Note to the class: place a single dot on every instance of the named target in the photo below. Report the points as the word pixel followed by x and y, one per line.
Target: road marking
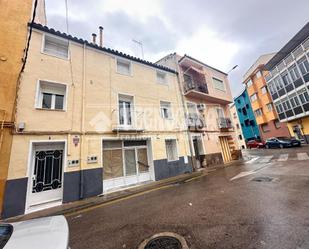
pixel 242 174
pixel 253 159
pixel 266 159
pixel 302 156
pixel 283 157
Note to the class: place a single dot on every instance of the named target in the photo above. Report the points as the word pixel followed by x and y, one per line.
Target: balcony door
pixel 125 104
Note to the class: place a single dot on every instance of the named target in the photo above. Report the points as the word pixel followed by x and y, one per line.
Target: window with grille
pixel 56 46
pixel 123 67
pixel 166 110
pixel 171 150
pixel 51 96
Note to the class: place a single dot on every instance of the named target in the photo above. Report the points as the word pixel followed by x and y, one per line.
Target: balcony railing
pixel 195 86
pixel 195 121
pixel 224 123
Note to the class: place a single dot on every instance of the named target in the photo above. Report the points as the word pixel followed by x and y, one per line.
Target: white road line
pixel 302 156
pixel 283 157
pixel 253 159
pixel 242 174
pixel 266 159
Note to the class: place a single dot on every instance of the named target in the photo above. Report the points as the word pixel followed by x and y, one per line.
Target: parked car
pixel 255 144
pixel 48 233
pixel 282 142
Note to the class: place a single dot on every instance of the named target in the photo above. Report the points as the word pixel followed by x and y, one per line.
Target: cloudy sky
pixel 220 33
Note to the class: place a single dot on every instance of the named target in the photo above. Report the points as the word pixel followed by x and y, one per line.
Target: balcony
pixel 195 122
pixel 224 124
pixel 191 85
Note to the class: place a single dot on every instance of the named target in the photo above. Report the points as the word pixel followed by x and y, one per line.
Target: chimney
pixel 94 38
pixel 101 36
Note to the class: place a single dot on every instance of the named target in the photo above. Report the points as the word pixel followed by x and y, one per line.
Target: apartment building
pixel 240 141
pixel 288 83
pixel 261 102
pixel 89 120
pixel 249 127
pixel 13 33
pixel 206 96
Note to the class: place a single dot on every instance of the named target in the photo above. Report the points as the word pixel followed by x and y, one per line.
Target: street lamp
pixel 232 69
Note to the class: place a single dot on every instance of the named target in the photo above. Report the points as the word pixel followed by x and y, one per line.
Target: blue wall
pixel 246 116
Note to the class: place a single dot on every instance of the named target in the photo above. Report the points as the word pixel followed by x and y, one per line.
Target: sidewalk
pixel 76 206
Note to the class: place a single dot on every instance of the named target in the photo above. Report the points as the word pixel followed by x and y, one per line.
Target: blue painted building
pixel 246 116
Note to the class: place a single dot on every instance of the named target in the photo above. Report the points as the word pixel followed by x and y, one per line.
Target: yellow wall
pixel 13 32
pixel 304 122
pixel 102 85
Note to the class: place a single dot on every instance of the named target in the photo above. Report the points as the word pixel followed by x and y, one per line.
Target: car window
pixel 6 231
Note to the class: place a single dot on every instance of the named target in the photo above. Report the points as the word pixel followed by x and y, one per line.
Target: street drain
pixel 262 179
pixel 164 240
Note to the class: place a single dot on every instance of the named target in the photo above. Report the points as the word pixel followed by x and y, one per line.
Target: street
pixel 261 202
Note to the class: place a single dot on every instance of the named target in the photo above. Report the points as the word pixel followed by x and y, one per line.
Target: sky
pixel 220 33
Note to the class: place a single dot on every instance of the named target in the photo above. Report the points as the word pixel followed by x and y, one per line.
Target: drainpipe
pixel 184 112
pixel 82 125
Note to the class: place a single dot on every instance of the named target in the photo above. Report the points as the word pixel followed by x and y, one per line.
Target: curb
pixel 106 198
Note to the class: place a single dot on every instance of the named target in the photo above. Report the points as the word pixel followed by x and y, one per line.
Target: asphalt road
pixel 225 209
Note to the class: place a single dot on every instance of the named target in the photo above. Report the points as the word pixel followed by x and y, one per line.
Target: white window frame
pixel 271 107
pixel 258 112
pixel 39 95
pixel 255 99
pixel 223 84
pixel 125 62
pixel 258 74
pixel 176 149
pixel 165 81
pixel 263 90
pixel 249 83
pixel 129 98
pixel 169 109
pixel 52 54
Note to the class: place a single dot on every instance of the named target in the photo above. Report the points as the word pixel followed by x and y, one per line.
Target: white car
pixel 48 233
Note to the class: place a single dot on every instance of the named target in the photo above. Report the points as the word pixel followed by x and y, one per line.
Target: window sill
pixel 45 109
pixel 173 160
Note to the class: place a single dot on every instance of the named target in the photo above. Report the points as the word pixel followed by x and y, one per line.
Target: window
pixel 258 112
pixel 265 127
pixel 294 72
pixel 269 107
pixel 171 150
pixel 56 46
pixel 240 137
pixel 264 89
pixel 303 65
pixel 286 79
pixel 51 96
pixel 277 123
pixel 294 101
pixel 278 83
pixel 237 126
pixel 249 83
pixel 161 77
pixel 258 74
pixel 304 97
pixel 166 111
pixel 271 88
pixel 125 104
pixel 123 67
pixel 279 108
pixel 218 84
pixel 253 97
pixel 220 112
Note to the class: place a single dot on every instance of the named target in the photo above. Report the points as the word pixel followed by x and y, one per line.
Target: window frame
pixel 131 99
pixel 269 109
pixel 256 97
pixel 176 149
pixel 223 84
pixel 51 54
pixel 264 88
pixel 165 82
pixel 124 61
pixel 38 104
pixel 170 117
pixel 258 74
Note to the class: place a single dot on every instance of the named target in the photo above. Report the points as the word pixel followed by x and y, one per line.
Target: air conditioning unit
pixel 201 107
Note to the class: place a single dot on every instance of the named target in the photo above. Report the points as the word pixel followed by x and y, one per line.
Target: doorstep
pixel 76 206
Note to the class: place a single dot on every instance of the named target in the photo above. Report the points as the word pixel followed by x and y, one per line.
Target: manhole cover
pixel 262 179
pixel 164 242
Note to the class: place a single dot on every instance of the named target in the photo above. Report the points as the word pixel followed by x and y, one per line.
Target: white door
pixel 46 173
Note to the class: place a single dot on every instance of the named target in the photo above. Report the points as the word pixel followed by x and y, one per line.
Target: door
pixel 46 173
pixel 196 152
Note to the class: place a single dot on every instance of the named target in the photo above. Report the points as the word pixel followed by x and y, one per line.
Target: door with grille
pixel 46 173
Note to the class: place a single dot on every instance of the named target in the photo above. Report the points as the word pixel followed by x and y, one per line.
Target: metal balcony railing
pixel 224 123
pixel 197 86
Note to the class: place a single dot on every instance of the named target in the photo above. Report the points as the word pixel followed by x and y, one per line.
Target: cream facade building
pixel 90 120
pixel 239 137
pixel 206 95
